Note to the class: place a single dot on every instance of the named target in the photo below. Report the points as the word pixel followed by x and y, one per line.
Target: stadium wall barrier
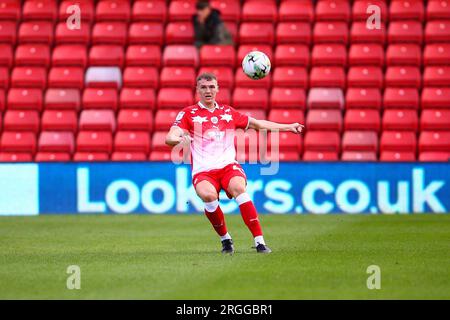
pixel 162 188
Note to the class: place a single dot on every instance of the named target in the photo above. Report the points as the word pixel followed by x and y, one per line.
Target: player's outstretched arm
pixel 270 125
pixel 177 135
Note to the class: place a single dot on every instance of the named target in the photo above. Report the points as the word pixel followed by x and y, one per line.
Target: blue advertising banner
pixel 165 188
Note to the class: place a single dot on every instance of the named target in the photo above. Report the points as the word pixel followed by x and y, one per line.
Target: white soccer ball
pixel 256 65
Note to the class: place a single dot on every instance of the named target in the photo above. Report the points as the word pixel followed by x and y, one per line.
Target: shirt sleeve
pixel 182 120
pixel 241 120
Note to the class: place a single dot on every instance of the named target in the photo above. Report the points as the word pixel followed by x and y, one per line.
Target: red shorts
pixel 220 178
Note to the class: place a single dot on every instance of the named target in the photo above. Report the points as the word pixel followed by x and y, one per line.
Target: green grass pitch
pixel 178 257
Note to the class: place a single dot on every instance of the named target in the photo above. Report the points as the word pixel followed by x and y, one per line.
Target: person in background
pixel 209 27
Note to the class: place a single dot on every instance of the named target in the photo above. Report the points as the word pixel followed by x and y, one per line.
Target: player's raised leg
pixel 208 193
pixel 237 189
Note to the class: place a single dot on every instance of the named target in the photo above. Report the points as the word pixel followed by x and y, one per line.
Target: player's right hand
pixel 185 139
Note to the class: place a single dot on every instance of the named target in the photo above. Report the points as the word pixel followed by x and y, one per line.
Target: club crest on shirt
pixel 214 120
pixel 179 116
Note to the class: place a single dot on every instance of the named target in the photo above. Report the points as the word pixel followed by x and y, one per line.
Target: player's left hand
pixel 296 127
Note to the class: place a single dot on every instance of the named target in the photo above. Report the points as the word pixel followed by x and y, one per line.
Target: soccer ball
pixel 256 65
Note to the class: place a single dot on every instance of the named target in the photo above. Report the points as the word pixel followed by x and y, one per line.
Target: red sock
pixel 218 221
pixel 250 216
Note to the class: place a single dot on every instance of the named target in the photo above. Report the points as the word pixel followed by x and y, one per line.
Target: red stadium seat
pixel 434 156
pixel 15 157
pixel 36 32
pixel 292 55
pixel 143 55
pixel 94 141
pixel 4 78
pixel 113 10
pixel 62 99
pixel 10 10
pixel 362 119
pixel 256 33
pixel 165 118
pixel 366 55
pixel 6 55
pixel 179 33
pixel 225 75
pixel 287 142
pixel 435 98
pixel 52 156
pixel 21 120
pixel 406 31
pixel 180 55
pixel 29 77
pixel 40 10
pixel 359 33
pixel 96 120
pixel 250 98
pixel 287 98
pixel 404 55
pixel 218 55
pixel 242 80
pixel 293 33
pixel 286 116
pixel 33 54
pixel 281 156
pixel 435 119
pixel 64 35
pixel 181 10
pixel 360 141
pixel 320 98
pixel 135 119
pixel 437 31
pixel 86 8
pixel 401 98
pixel 398 141
pixel 17 141
pixel 66 77
pixel 146 33
pixel 436 76
pixel 177 77
pixel 256 11
pixel 329 55
pixel 245 48
pixel 56 141
pixel 59 120
pixel 322 141
pixel 403 77
pixel 132 141
pixel 434 141
pixel 329 77
pixel 360 8
pixel 2 101
pixel 174 98
pixel 320 156
pixel 106 55
pixel 230 10
pixel 137 98
pixel 100 98
pixel 296 11
pixel 324 119
pixel 90 156
pixel 330 32
pixel 25 99
pixel 70 56
pixel 438 9
pixel 406 10
pixel 400 119
pixel 332 10
pixel 8 32
pixel 296 77
pixel 149 10
pixel 128 156
pixel 366 77
pixel 360 98
pixel 436 54
pixel 401 156
pixel 158 141
pixel 359 156
pixel 114 33
pixel 140 77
